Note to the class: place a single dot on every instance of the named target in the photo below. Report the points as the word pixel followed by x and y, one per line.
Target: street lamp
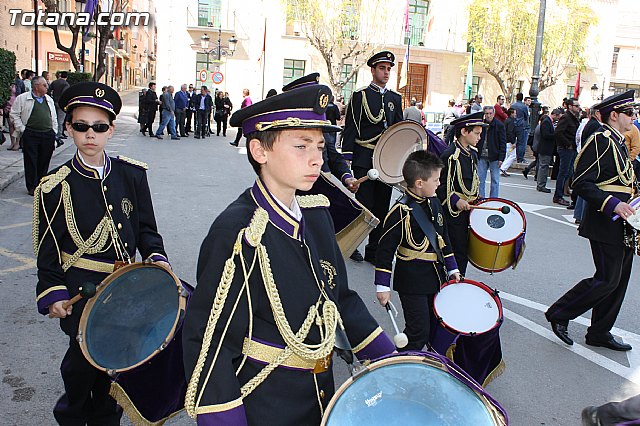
pixel 594 92
pixel 204 43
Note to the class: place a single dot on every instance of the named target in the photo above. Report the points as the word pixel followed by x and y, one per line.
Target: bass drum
pixel 393 148
pixel 413 389
pixel 132 330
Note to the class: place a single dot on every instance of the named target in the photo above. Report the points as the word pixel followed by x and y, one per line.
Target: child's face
pixel 471 137
pixel 91 144
pixel 294 161
pixel 427 187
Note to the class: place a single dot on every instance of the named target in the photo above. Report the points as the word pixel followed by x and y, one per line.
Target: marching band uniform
pixel 418 272
pixel 459 180
pixel 604 177
pixel 85 222
pixel 272 288
pixel 370 111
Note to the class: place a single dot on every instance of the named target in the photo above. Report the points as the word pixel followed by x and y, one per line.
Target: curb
pixel 15 171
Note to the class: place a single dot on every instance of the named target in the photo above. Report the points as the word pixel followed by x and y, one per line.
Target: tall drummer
pixel 459 182
pixel 90 214
pixel 370 111
pixel 604 177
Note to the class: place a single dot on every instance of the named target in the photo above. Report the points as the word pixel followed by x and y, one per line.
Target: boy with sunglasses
pixel 90 216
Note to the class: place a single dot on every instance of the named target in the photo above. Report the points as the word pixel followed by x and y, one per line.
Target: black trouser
pixel 604 292
pixel 417 310
pixel 189 113
pixel 376 197
pixel 180 118
pixel 37 149
pixel 459 236
pixel 86 400
pixel 221 121
pixel 151 118
pixel 201 125
pixel 238 136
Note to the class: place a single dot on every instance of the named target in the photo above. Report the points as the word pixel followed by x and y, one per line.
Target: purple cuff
pixel 158 258
pixel 382 278
pixel 234 417
pixel 378 347
pixel 50 299
pixel 348 156
pixel 453 200
pixel 610 205
pixel 345 177
pixel 450 263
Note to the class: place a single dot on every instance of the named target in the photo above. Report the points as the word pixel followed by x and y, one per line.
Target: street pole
pixel 219 52
pixel 35 35
pixel 535 78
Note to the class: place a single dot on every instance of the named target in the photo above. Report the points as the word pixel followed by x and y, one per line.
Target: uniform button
pixel 104 188
pixel 119 226
pixel 126 244
pixel 110 208
pixel 321 394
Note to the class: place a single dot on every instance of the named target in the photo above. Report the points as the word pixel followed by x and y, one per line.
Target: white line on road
pixel 15 225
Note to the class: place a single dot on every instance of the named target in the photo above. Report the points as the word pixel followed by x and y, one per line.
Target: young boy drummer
pixel 459 183
pixel 272 293
pixel 415 233
pixel 90 214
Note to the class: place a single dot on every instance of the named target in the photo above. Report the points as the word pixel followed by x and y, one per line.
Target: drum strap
pixel 425 224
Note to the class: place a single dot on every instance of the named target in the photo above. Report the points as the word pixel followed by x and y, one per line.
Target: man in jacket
pixel 565 135
pixel 151 102
pixel 203 104
pixel 545 148
pixel 522 126
pixel 168 115
pixel 501 111
pixel 491 151
pixel 56 89
pixel 35 120
pixel 182 103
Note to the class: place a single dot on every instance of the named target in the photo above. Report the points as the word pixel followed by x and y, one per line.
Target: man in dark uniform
pixel 272 294
pixel 604 177
pixel 90 214
pixel 371 110
pixel 459 182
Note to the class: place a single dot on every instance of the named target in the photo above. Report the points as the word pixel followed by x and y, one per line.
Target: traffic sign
pixel 203 75
pixel 217 77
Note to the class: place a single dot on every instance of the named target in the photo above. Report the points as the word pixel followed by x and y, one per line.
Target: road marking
pixel 15 225
pixel 630 373
pixel 569 218
pixel 517 185
pixel 533 209
pixel 27 262
pixel 15 201
pixel 242 150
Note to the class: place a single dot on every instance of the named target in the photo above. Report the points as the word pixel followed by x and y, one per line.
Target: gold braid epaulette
pixel 253 233
pixel 313 201
pixel 133 162
pixel 49 182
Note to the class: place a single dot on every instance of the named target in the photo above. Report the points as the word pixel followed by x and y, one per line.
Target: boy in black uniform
pixel 604 177
pixel 415 234
pixel 370 112
pixel 459 183
pixel 272 292
pixel 90 214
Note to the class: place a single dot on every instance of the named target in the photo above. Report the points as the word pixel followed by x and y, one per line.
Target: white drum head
pixel 493 225
pixel 467 308
pixel 393 148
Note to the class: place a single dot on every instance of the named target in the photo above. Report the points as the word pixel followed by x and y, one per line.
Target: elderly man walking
pixel 491 152
pixel 35 121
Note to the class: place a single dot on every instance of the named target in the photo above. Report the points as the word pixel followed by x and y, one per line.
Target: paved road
pixel 545 382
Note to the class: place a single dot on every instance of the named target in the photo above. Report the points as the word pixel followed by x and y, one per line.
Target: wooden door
pixel 417 84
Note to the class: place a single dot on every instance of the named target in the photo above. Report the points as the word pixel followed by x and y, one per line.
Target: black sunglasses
pixel 84 127
pixel 630 112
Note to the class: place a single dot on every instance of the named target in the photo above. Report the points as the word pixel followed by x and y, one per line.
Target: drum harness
pixel 324 314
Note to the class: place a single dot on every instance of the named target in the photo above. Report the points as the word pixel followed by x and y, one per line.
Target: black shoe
pixel 233 143
pixel 545 190
pixel 197 137
pixel 504 174
pixel 356 256
pixel 159 137
pixel 184 136
pixel 176 138
pixel 224 134
pixel 560 201
pixel 571 206
pixel 59 143
pixel 612 344
pixel 63 136
pixel 30 192
pixel 525 174
pixel 561 331
pixel 590 416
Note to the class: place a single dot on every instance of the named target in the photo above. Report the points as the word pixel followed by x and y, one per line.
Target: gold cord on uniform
pixel 454 174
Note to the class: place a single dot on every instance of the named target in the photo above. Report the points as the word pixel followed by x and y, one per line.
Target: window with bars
pixel 209 13
pixel 349 86
pixel 614 61
pixel 475 84
pixel 418 13
pixel 293 68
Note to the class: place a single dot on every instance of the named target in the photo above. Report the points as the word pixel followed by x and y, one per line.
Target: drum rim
pixel 382 141
pixel 501 243
pixel 496 414
pixel 100 288
pixel 492 292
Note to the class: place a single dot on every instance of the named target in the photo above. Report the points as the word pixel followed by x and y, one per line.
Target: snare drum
pixel 496 240
pixel 132 330
pixel 393 148
pixel 352 221
pixel 413 389
pixel 466 328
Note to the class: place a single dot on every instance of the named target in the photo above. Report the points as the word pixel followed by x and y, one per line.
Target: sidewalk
pixel 12 164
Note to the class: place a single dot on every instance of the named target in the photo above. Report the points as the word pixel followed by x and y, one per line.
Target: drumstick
pixel 503 209
pixel 372 174
pixel 87 291
pixel 400 339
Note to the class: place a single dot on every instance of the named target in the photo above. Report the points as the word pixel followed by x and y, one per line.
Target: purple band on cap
pixel 249 125
pixel 91 101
